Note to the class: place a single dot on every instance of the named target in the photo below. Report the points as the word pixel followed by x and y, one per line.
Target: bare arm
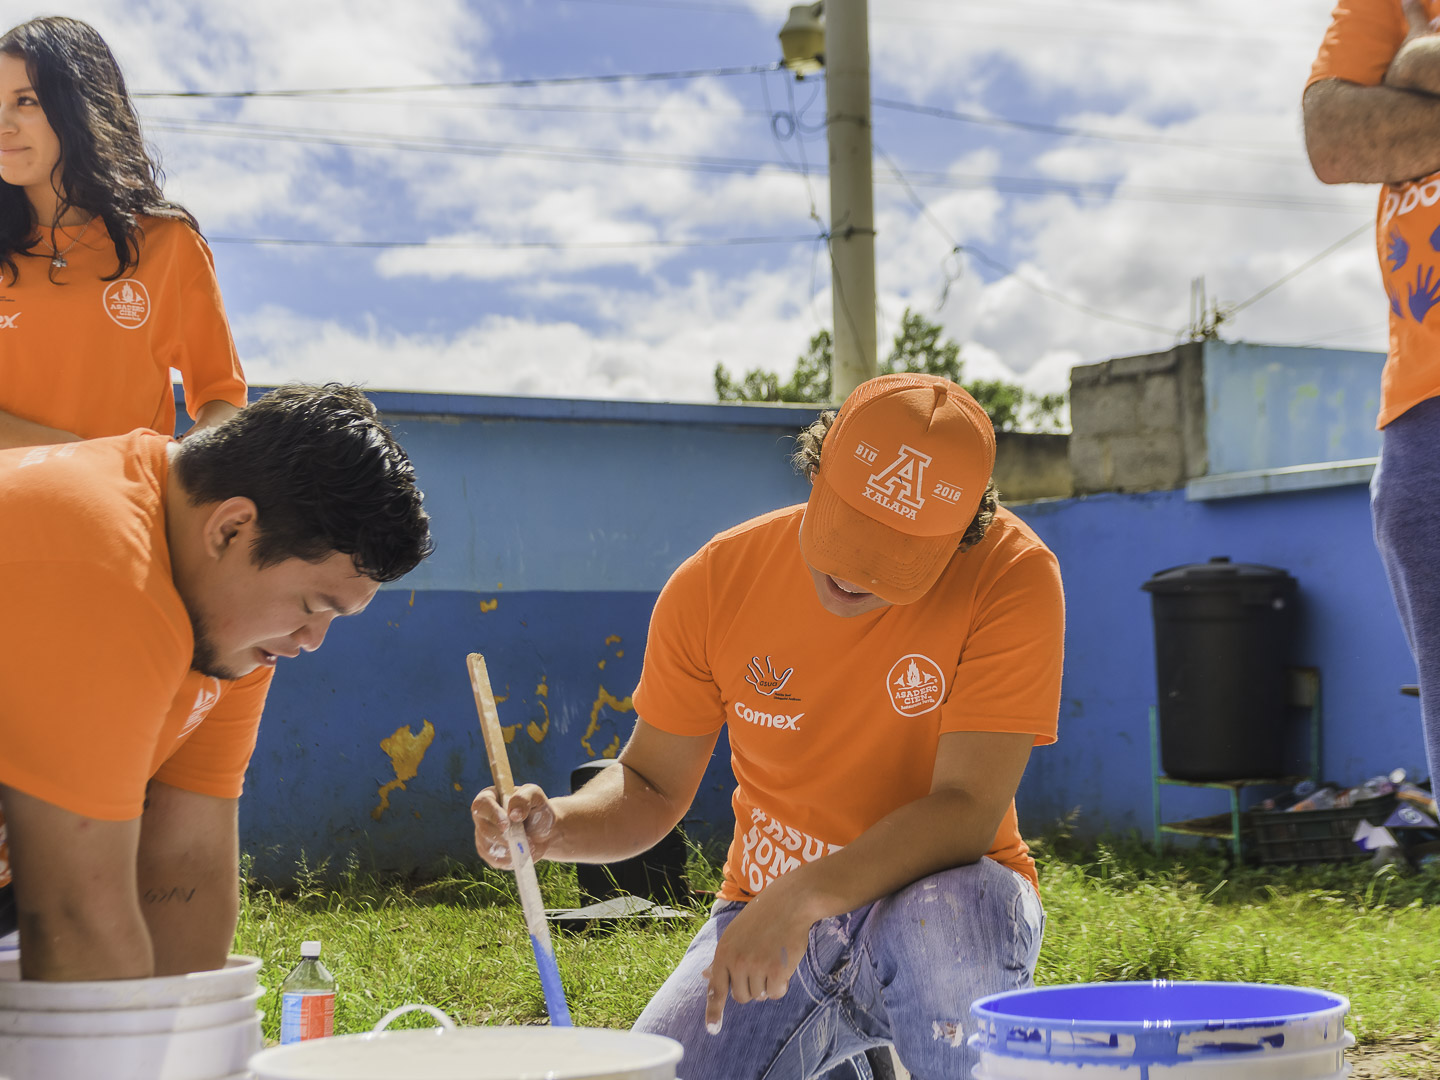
pixel 188 878
pixel 975 778
pixel 17 432
pixel 212 414
pixel 1370 134
pixel 74 881
pixel 621 812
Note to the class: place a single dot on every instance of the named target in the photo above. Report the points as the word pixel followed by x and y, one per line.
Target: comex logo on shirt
pixel 779 721
pixel 7 322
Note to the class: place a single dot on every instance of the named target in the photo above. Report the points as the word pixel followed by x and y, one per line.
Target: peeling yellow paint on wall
pixel 603 699
pixel 489 605
pixel 602 665
pixel 405 750
pixel 539 731
pixel 412 597
pixel 613 639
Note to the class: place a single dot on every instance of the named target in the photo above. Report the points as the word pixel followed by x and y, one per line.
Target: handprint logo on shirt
pixel 1399 250
pixel 1424 294
pixel 766 680
pixel 1394 303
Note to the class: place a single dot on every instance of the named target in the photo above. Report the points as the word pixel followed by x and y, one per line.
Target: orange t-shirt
pixel 93 357
pixel 835 722
pixel 96 692
pixel 1363 37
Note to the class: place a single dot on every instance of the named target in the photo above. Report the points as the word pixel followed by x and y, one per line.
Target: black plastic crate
pixel 1303 836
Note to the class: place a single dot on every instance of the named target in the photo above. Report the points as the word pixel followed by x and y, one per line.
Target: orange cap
pixel 901 476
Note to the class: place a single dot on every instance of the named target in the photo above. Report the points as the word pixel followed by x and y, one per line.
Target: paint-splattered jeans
pixel 902 970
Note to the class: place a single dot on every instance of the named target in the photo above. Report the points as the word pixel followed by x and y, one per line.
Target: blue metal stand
pixel 1304 694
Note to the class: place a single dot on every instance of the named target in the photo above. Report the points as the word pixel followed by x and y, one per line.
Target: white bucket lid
pixel 496 1053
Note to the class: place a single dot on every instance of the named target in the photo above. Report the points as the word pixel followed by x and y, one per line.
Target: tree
pixel 918 347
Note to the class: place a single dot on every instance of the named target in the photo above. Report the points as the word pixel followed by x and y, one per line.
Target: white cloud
pixel 653 322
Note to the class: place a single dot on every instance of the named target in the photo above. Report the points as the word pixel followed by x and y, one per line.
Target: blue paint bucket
pixel 1161 1030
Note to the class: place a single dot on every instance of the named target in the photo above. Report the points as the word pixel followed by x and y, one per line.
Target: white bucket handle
pixel 445 1021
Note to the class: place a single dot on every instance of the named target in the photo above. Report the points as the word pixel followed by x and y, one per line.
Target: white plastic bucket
pixel 1162 1031
pixel 132 1021
pixel 236 979
pixel 201 1054
pixel 451 1053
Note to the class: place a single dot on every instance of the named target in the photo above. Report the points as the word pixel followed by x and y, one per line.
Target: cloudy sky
pixel 579 238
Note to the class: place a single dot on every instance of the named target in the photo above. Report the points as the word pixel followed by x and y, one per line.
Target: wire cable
pixel 1233 310
pixel 490 245
pixel 957 248
pixel 483 84
pixel 1040 128
pixel 1015 185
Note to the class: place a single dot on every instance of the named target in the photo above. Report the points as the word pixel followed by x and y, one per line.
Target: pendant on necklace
pixel 58 261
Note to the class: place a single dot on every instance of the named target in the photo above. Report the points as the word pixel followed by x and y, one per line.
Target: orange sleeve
pixel 88 666
pixel 213 758
pixel 1009 673
pixel 1363 37
pixel 205 350
pixel 677 692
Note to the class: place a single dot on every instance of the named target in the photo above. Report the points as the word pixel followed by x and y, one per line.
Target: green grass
pixel 1114 911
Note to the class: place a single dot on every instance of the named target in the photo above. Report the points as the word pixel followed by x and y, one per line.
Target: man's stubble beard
pixel 204 659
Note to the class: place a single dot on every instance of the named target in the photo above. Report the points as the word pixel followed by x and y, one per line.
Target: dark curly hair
pixel 325 476
pixel 806 459
pixel 104 167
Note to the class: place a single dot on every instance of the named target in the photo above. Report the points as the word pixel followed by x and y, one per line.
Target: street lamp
pixel 802 40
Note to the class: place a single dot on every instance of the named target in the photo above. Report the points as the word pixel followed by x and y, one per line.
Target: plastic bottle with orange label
pixel 307 998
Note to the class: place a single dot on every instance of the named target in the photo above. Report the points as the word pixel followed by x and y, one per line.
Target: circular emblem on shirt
pixel 127 303
pixel 915 685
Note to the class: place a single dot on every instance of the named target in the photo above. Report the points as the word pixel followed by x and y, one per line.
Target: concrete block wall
pixel 1138 422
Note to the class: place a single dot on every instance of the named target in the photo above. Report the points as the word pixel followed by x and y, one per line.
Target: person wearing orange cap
pixel 885 655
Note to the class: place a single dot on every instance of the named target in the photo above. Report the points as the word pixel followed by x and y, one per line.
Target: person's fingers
pixel 719 979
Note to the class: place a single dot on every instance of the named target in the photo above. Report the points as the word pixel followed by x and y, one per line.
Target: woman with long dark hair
pixel 105 285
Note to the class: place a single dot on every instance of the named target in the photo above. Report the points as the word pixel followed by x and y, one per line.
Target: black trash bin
pixel 657 874
pixel 1224 635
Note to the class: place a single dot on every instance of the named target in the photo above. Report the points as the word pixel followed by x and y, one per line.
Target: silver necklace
pixel 57 260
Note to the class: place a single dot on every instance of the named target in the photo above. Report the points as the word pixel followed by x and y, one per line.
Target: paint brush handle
pixel 534 909
pixel 525 881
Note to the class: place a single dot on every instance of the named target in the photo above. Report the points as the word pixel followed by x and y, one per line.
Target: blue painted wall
pixel 1270 406
pixel 556 525
pixel 1108 545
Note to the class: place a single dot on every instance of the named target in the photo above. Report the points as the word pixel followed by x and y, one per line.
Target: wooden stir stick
pixel 520 859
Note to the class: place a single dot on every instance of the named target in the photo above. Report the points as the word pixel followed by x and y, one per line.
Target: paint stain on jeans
pixel 948 1031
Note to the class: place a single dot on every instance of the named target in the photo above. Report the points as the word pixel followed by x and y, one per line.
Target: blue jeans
pixel 1405 508
pixel 902 971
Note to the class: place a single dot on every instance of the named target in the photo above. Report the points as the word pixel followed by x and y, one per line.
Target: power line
pixel 1231 311
pixel 1060 129
pixel 491 245
pixel 1185 33
pixel 1016 185
pixel 957 248
pixel 484 84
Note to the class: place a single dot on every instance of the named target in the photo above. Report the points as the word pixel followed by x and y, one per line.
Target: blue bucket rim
pixel 1340 1006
